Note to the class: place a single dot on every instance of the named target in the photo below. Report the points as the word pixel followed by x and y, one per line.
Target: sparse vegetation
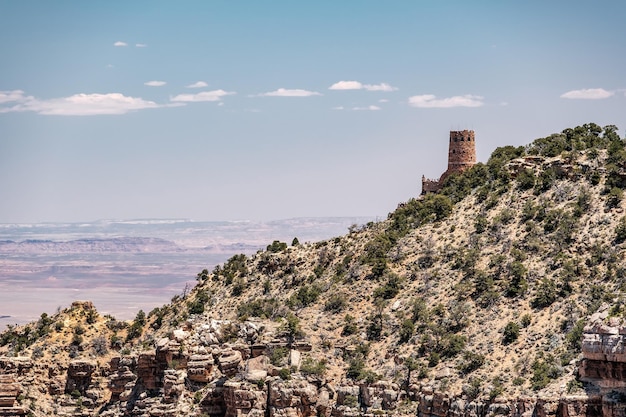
pixel 448 287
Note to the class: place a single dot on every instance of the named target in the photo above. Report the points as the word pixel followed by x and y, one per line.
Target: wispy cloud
pixel 141 45
pixel 431 101
pixel 155 83
pixel 371 108
pixel 75 105
pixel 588 94
pixel 12 96
pixel 215 95
pixel 284 92
pixel 380 87
pixel 120 43
pixel 198 84
pixel 356 85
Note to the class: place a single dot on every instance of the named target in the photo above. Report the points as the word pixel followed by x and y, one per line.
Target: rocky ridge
pixel 500 295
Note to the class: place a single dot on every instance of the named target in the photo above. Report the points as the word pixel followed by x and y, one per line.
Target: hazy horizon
pixel 124 266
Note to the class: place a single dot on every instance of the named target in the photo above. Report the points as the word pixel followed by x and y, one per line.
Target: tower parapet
pixel 461 156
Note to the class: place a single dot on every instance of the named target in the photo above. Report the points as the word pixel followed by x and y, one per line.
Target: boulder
pixel 200 368
pixel 257 368
pixel 229 361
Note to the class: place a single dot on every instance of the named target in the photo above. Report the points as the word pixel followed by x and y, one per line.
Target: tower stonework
pixel 461 156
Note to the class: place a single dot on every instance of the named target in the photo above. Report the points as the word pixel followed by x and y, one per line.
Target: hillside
pixel 503 293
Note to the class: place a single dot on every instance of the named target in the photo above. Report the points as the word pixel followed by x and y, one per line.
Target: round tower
pixel 462 151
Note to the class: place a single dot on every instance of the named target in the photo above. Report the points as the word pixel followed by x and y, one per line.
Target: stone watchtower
pixel 461 156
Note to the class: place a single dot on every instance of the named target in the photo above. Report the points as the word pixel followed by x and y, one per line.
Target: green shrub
pixel 355 368
pixel 620 231
pixel 336 303
pixel 517 282
pixel 277 246
pixel 291 327
pixel 310 366
pixel 239 286
pixel 510 333
pixel 471 362
pixel 305 296
pixel 545 295
pixel 433 359
pixel 278 355
pixel 614 197
pixel 406 330
pixel 472 390
pixel 284 374
pixel 260 307
pixel 452 345
pixel 526 179
pixel 390 289
pixel 574 336
pixel 544 371
pixel 198 304
pixel 374 328
pixel 349 326
pixel 419 311
pixel 350 401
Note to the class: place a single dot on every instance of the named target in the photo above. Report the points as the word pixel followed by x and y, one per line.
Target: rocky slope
pixel 500 295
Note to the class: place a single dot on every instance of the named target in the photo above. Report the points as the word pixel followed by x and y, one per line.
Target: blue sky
pixel 227 110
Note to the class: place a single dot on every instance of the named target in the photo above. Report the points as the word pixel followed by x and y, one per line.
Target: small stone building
pixel 461 156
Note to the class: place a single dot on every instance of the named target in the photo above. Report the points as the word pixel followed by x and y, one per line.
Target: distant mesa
pixel 461 156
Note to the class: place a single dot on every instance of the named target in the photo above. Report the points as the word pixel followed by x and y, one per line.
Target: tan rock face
pixel 242 398
pixel 10 389
pixel 604 353
pixel 79 374
pixel 173 385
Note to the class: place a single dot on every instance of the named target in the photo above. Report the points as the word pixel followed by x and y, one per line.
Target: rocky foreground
pixel 193 373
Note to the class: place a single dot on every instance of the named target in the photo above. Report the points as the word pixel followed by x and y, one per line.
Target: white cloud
pixel 11 96
pixel 383 100
pixel 141 45
pixel 379 87
pixel 283 92
pixel 588 94
pixel 356 85
pixel 120 43
pixel 346 85
pixel 215 95
pixel 431 101
pixel 81 105
pixel 198 84
pixel 155 83
pixel 372 108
